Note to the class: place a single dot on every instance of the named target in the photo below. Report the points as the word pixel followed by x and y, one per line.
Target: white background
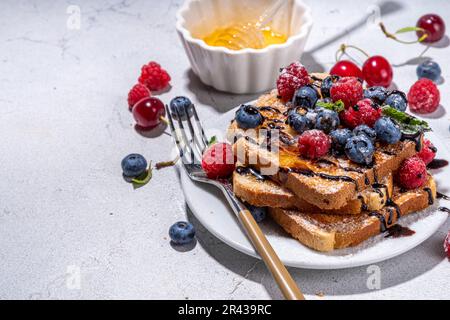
pixel 65 127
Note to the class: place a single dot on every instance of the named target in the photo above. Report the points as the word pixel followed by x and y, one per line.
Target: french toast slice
pixel 327 184
pixel 259 191
pixel 325 232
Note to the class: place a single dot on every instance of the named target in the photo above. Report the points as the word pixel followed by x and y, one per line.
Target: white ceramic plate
pixel 211 209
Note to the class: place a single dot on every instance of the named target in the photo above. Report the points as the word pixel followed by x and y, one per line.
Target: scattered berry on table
pixel 447 244
pixel 291 78
pixel 305 96
pixel 360 149
pixel 428 152
pixel 300 123
pixel 424 96
pixel 134 165
pixel 182 232
pixel 327 120
pixel 346 68
pixel 314 144
pixel 430 70
pixel 148 112
pixel 137 93
pixel 326 85
pixel 412 173
pixel 434 27
pixel 339 137
pixel 365 130
pixel 377 71
pixel 181 104
pixel 397 99
pixel 154 77
pixel 218 161
pixel 258 213
pixel 387 130
pixel 364 112
pixel 247 117
pixel 348 89
pixel 377 94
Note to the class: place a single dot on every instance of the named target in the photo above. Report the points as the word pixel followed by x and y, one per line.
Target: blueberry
pixel 248 117
pixel 360 149
pixel 377 94
pixel 339 138
pixel 327 83
pixel 133 165
pixel 312 118
pixel 397 99
pixel 298 122
pixel 258 213
pixel 327 120
pixel 429 69
pixel 387 130
pixel 367 131
pixel 181 104
pixel 182 232
pixel 305 96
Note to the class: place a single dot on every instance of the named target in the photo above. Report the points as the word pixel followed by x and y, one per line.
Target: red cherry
pixel 377 71
pixel 346 68
pixel 434 26
pixel 148 112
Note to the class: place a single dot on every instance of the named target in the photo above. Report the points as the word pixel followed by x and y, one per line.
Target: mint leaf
pixel 408 124
pixel 337 106
pixel 144 179
pixel 212 140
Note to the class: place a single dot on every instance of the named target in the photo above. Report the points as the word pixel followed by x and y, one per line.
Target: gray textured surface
pixel 64 128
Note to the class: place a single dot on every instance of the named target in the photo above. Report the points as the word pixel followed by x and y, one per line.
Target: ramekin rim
pixel 304 30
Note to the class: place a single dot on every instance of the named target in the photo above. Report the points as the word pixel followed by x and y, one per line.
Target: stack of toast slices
pixel 326 204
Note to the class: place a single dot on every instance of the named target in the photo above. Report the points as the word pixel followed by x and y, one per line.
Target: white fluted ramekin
pixel 247 70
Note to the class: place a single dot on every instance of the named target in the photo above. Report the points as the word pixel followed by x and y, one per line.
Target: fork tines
pixel 192 145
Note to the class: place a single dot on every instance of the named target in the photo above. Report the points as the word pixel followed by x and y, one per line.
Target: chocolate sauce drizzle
pixel 364 206
pixel 430 195
pixel 397 231
pixel 442 196
pixel 416 137
pixel 248 170
pixel 380 217
pixel 437 164
pixel 269 108
pixel 310 173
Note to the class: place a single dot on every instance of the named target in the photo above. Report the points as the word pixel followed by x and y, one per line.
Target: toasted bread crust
pixel 322 192
pixel 325 232
pixel 266 193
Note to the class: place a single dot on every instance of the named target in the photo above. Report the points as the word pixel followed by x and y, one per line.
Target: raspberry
pixel 137 93
pixel 347 89
pixel 218 161
pixel 298 70
pixel 412 173
pixel 291 78
pixel 447 245
pixel 364 112
pixel 424 96
pixel 314 144
pixel 428 152
pixel 154 77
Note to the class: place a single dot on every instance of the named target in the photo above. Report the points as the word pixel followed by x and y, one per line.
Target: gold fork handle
pixel 270 258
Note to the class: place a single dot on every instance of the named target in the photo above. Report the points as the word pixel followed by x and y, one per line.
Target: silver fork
pixel 190 153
